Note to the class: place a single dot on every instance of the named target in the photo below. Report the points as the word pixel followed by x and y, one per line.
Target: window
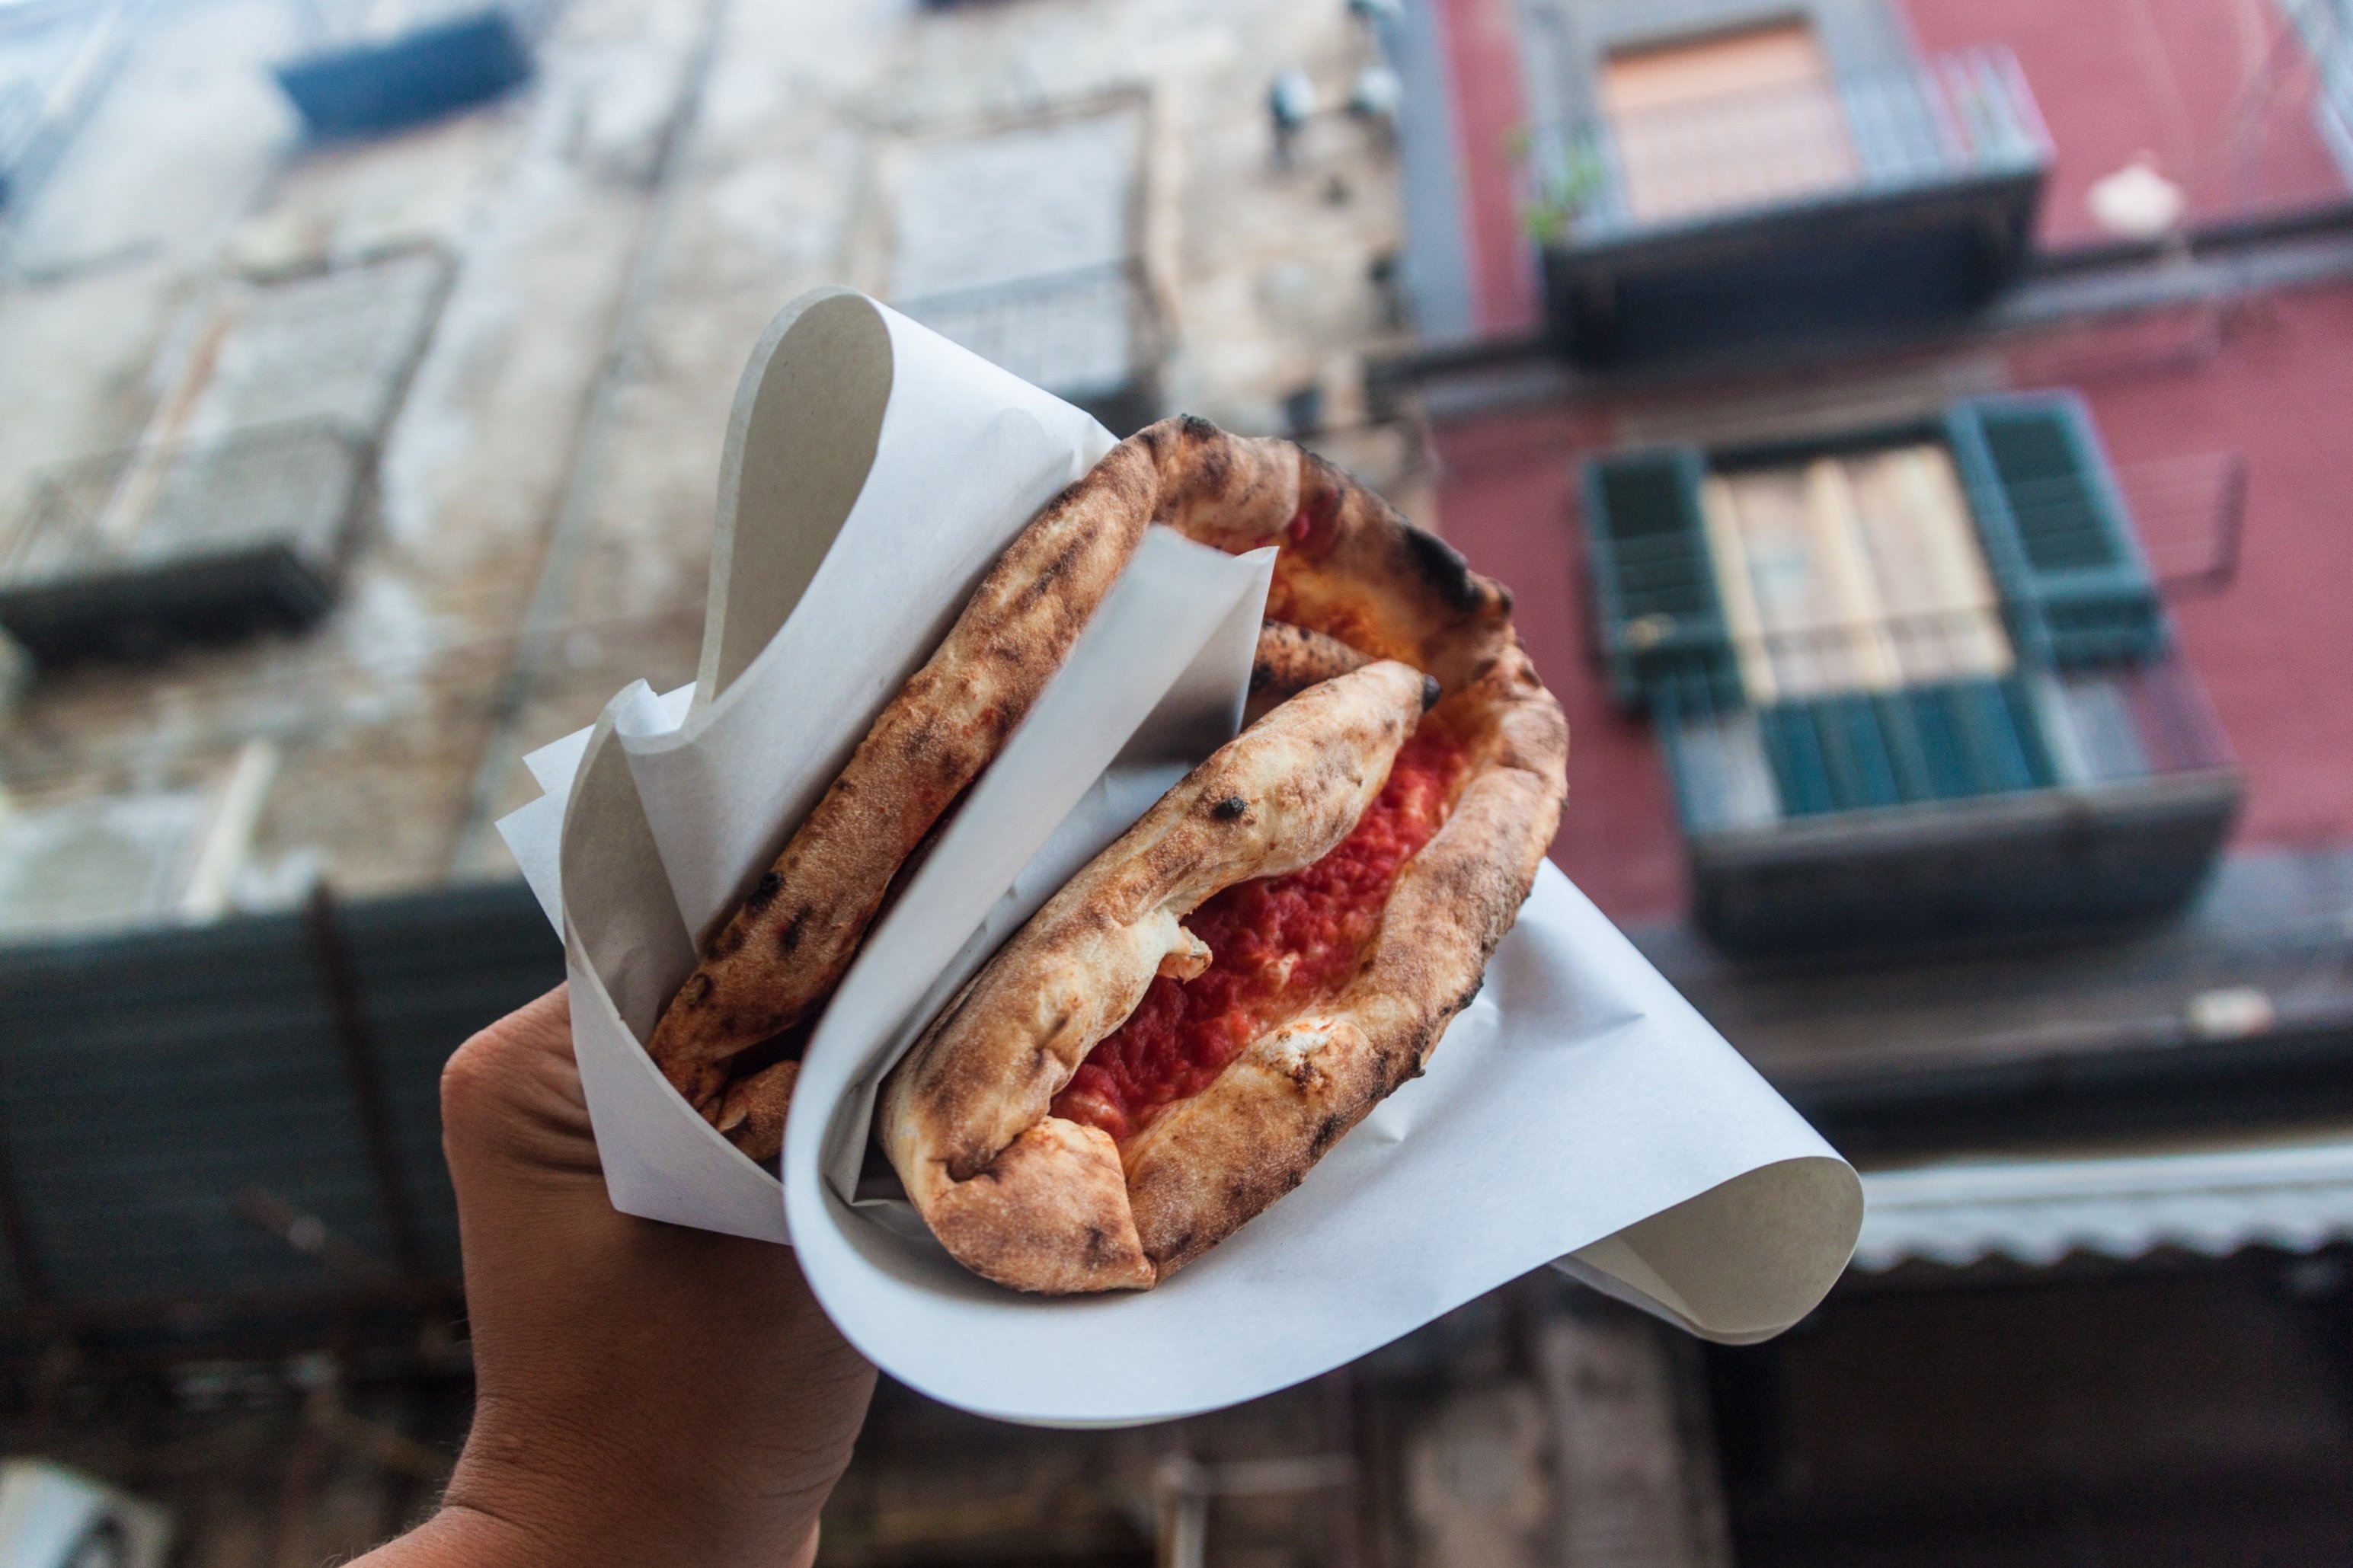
pixel 240 506
pixel 1022 244
pixel 1910 677
pixel 1853 572
pixel 1727 120
pixel 335 345
pixel 54 61
pixel 1753 186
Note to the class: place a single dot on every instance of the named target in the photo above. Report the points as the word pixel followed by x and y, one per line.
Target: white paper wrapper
pixel 1579 1111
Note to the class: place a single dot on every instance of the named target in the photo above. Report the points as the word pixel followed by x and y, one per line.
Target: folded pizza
pixel 730 1040
pixel 1204 1010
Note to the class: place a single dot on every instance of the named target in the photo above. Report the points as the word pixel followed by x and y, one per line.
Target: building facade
pixel 1912 432
pixel 1909 428
pixel 364 372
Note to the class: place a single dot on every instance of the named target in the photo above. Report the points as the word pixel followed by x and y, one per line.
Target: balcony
pixel 238 505
pixel 1859 204
pixel 1918 680
pixel 200 541
pixel 1969 805
pixel 1087 335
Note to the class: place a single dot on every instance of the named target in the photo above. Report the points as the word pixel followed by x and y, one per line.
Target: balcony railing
pixel 1946 120
pixel 1088 335
pixel 1925 712
pixel 188 539
pixel 1912 778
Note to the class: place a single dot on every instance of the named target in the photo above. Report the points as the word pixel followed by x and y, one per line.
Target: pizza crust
pixel 982 1079
pixel 1271 801
pixel 770 968
pixel 1289 660
pixel 1025 1198
pixel 1210 1163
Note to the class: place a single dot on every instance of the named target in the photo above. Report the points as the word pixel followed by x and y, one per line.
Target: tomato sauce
pixel 1279 946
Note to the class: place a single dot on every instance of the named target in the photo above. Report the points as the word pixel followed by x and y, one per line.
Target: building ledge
pixel 2236 1015
pixel 2211 265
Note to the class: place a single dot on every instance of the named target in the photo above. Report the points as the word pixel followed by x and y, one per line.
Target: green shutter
pixel 1947 741
pixel 2055 528
pixel 1659 622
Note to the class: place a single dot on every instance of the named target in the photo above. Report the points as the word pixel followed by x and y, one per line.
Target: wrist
pixel 531 1490
pixel 462 1536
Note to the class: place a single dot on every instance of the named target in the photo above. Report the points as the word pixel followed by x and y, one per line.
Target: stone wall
pixel 618 231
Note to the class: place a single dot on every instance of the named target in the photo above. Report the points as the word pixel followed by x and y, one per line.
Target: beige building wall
pixel 620 230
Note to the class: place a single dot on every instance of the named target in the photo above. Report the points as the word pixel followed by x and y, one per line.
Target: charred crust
pixel 1351 570
pixel 763 892
pixel 1216 465
pixel 789 936
pixel 1325 481
pixel 1443 567
pixel 1327 1132
pixel 1048 575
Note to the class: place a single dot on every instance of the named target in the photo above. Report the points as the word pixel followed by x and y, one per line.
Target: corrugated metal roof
pixel 146 1078
pixel 2294 1197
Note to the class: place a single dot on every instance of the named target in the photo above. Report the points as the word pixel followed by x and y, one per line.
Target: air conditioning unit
pixel 51 1516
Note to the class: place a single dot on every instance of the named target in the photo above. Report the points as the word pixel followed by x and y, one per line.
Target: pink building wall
pixel 2274 649
pixel 2219 91
pixel 2194 82
pixel 1481 39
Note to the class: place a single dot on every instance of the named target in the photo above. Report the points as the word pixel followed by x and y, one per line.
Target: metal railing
pixel 1915 711
pixel 294 484
pixel 2190 512
pixel 1082 334
pixel 2187 512
pixel 1955 117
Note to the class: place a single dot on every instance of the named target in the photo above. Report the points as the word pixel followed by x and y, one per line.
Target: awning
pixel 2295 1196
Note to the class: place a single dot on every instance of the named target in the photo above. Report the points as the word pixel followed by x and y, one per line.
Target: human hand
pixel 645 1394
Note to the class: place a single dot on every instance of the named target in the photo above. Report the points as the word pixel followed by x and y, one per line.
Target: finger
pixel 513 1093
